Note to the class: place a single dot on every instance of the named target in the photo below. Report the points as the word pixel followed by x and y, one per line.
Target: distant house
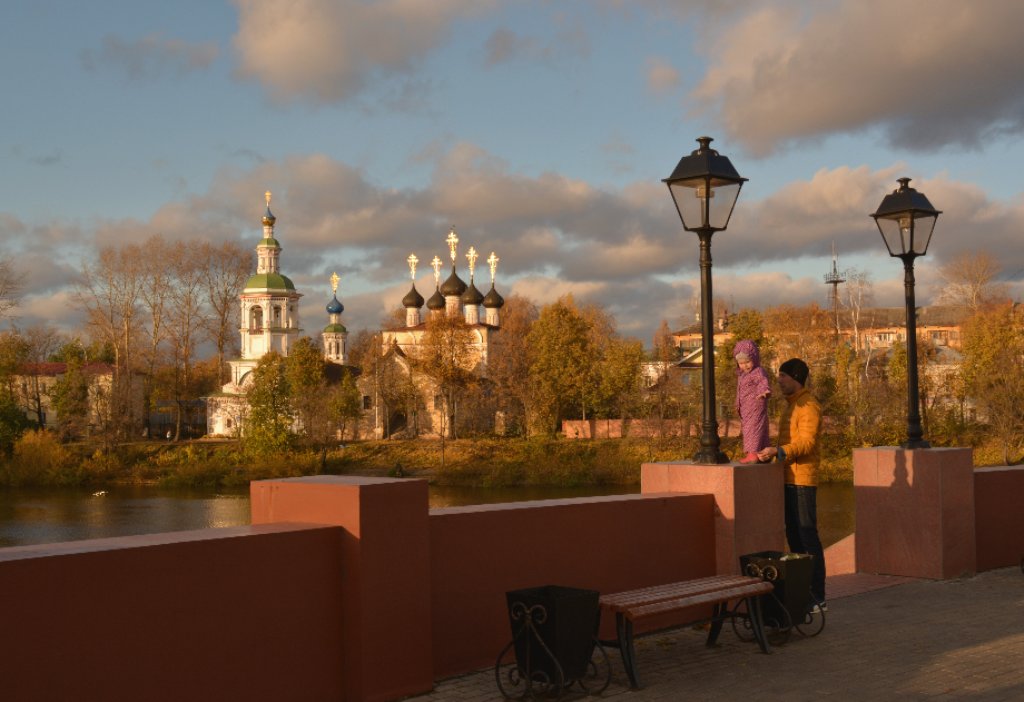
pixel 34 384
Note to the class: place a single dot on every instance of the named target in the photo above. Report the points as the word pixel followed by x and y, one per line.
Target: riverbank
pixel 41 461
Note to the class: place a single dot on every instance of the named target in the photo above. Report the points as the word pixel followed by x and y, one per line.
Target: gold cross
pixel 492 261
pixel 334 282
pixel 412 265
pixel 453 241
pixel 472 255
pixel 436 265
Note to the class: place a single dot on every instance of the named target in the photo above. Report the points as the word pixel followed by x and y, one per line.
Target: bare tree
pixel 857 295
pixel 11 283
pixel 185 317
pixel 153 295
pixel 969 280
pixel 109 290
pixel 226 268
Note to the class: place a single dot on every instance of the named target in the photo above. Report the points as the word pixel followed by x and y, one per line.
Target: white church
pixel 270 322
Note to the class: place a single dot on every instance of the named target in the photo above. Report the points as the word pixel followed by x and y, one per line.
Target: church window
pixel 367 402
pixel 257 318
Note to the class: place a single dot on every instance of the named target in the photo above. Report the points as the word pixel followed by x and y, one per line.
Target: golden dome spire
pixel 472 255
pixel 436 265
pixel 453 242
pixel 412 266
pixel 492 261
pixel 334 276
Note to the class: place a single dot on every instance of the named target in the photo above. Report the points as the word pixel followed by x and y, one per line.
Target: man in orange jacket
pixel 799 449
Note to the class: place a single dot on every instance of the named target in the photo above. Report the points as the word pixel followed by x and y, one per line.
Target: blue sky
pixel 540 130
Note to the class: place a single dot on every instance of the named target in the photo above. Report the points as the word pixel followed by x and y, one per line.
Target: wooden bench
pixel 633 606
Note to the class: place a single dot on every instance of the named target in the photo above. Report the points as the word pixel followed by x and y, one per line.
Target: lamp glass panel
pixel 720 205
pixel 923 227
pixel 690 196
pixel 891 235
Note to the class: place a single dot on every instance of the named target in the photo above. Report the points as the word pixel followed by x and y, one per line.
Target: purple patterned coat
pixel 752 390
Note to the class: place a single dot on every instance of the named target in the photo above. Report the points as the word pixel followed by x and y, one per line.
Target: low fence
pixel 238 613
pixel 373 596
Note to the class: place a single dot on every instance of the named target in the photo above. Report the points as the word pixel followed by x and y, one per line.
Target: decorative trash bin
pixel 790 573
pixel 554 629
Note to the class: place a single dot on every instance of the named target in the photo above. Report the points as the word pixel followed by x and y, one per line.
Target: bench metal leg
pixel 624 629
pixel 757 623
pixel 717 617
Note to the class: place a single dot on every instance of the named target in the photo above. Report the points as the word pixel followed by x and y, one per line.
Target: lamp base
pixel 710 457
pixel 915 444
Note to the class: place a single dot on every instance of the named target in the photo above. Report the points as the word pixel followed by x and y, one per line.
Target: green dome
pixel 335 329
pixel 269 281
pixel 269 242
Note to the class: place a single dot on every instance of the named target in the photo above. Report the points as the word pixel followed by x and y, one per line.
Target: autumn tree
pixel 561 364
pixel 446 356
pixel 307 385
pixel 993 348
pixel 268 422
pixel 508 361
pixel 70 398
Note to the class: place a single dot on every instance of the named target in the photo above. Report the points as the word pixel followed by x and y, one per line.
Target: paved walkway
pixel 896 639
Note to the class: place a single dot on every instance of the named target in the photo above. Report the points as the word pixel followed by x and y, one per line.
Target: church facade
pixel 400 397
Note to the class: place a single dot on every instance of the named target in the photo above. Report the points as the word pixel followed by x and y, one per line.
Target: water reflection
pixel 48 516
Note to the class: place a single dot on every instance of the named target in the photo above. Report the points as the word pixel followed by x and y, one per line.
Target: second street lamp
pixel 704 187
pixel 906 220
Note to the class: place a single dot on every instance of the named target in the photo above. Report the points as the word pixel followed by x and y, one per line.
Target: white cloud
pixel 151 56
pixel 662 76
pixel 327 51
pixel 929 73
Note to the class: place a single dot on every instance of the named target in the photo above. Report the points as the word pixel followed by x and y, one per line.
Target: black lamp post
pixel 906 220
pixel 704 187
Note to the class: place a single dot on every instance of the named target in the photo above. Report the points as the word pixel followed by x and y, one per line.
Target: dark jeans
pixel 802 531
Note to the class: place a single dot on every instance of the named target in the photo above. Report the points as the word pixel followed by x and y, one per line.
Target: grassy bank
pixel 40 460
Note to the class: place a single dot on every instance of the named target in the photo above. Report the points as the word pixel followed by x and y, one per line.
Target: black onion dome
pixel 436 301
pixel 335 306
pixel 493 300
pixel 472 296
pixel 453 286
pixel 268 217
pixel 413 298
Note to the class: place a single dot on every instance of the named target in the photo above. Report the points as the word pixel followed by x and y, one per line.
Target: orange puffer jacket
pixel 799 431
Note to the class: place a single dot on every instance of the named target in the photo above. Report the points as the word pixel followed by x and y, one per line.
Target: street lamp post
pixel 704 187
pixel 906 220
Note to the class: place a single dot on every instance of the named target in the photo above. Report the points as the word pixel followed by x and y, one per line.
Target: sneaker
pixel 819 607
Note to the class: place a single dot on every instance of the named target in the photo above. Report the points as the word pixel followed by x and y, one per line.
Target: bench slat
pixel 624 600
pixel 736 593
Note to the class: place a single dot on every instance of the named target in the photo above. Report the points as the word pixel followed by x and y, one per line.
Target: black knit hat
pixel 795 369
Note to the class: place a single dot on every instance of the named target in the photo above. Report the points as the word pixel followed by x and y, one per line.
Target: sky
pixel 538 129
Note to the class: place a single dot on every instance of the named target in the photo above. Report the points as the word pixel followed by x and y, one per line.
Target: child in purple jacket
pixel 752 391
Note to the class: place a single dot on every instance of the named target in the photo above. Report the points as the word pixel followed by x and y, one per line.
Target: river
pixel 48 516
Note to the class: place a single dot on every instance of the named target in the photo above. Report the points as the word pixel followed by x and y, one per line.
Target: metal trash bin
pixel 554 630
pixel 790 573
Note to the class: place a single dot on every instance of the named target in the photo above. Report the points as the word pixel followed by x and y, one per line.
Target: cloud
pixel 150 57
pixel 327 51
pixel 662 76
pixel 622 248
pixel 927 74
pixel 569 41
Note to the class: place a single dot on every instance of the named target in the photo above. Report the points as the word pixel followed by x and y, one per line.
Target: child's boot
pixel 750 458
